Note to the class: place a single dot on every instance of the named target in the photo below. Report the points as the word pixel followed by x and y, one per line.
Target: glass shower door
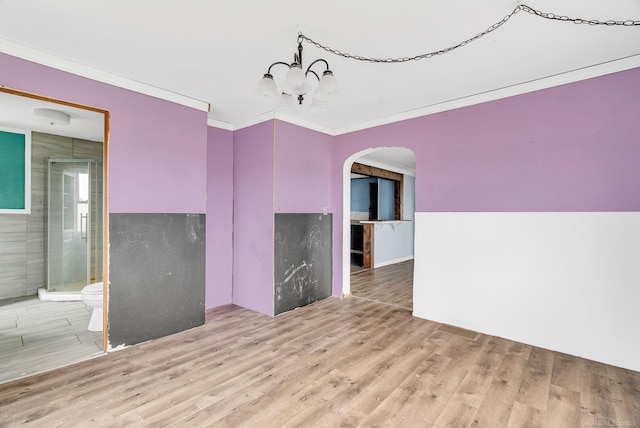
pixel 69 220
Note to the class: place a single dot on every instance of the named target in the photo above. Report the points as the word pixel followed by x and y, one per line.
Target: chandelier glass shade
pixel 267 89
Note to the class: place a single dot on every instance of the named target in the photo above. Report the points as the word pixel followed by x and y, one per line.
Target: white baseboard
pixel 392 262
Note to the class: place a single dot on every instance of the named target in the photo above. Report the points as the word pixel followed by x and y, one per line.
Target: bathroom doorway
pixel 36 335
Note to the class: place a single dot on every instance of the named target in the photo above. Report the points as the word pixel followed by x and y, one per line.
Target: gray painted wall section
pixel 157 275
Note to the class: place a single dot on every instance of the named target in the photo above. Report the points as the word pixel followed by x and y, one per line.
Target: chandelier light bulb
pixel 296 81
pixel 327 87
pixel 266 92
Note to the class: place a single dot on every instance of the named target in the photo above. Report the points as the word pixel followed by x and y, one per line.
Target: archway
pixel 377 161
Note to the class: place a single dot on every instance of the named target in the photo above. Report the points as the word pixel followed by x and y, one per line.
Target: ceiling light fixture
pixel 296 83
pixel 53 117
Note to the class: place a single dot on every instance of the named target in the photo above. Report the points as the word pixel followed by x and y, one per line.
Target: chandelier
pixel 296 84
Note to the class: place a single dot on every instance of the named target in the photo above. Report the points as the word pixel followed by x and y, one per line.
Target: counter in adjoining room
pixel 376 243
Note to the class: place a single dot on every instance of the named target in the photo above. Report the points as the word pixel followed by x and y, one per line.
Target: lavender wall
pixel 219 217
pixel 253 219
pixel 302 170
pixel 569 148
pixel 157 149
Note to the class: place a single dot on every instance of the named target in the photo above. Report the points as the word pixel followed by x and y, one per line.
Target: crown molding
pixel 303 123
pixel 509 91
pixel 264 117
pixel 215 123
pixel 52 61
pixel 270 116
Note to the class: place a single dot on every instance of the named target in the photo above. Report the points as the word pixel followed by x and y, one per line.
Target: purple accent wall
pixel 219 276
pixel 302 170
pixel 157 149
pixel 253 217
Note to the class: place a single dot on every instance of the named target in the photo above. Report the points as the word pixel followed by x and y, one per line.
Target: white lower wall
pixel 564 281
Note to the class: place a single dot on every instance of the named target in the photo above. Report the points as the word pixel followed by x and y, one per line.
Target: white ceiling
pixel 216 51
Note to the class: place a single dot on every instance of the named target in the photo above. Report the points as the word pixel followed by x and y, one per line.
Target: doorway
pixel 37 340
pixel 390 231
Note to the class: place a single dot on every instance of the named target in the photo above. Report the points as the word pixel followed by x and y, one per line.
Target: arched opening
pixel 378 226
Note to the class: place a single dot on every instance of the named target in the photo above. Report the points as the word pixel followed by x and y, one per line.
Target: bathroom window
pixel 82 219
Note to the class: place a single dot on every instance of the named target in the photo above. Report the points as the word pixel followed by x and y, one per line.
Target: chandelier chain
pixel 521 7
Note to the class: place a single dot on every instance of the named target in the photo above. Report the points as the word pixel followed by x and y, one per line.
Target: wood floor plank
pixel 475 385
pixel 566 372
pixel 506 383
pixel 407 405
pixel 596 400
pixel 563 408
pixel 391 284
pixel 525 416
pixel 492 413
pixel 624 386
pixel 456 414
pixel 387 381
pixel 536 380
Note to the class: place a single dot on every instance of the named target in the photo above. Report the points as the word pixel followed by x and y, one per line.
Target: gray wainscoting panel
pixel 156 274
pixel 303 260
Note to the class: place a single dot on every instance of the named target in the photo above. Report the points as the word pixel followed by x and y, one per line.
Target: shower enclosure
pixel 74 224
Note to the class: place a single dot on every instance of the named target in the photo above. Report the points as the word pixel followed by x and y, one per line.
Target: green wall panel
pixel 13 147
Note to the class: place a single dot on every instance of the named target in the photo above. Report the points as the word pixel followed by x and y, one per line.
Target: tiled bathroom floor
pixel 39 336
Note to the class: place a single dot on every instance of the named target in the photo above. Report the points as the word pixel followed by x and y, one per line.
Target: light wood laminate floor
pixel 39 336
pixel 391 284
pixel 338 362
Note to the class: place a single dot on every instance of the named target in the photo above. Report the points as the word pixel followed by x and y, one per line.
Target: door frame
pixel 105 198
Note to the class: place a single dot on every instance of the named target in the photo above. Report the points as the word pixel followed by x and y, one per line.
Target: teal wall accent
pixel 12 170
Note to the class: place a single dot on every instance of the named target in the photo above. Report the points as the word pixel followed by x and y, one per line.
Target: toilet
pixel 92 297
